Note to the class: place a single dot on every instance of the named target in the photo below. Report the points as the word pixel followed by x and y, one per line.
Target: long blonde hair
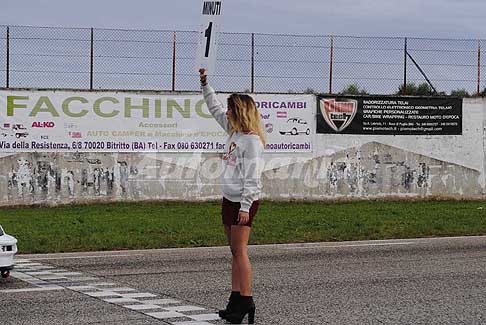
pixel 244 116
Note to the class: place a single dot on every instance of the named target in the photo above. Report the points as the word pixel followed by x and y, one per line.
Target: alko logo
pixel 43 124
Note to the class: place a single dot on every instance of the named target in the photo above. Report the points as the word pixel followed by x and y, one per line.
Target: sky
pixel 412 18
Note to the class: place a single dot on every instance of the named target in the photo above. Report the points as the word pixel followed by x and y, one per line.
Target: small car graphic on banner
pixel 296 126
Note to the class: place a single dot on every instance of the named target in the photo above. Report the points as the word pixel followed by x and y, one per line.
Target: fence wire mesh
pixel 233 71
pixel 45 57
pixel 482 69
pixel 291 63
pixel 374 65
pixel 185 61
pixel 449 64
pixel 84 58
pixel 132 59
pixel 3 56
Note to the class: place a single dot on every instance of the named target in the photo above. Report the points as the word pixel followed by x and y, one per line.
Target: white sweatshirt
pixel 242 160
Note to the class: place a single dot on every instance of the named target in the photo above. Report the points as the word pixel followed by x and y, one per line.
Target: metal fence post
pixel 479 68
pixel 330 64
pixel 404 90
pixel 174 43
pixel 8 58
pixel 252 62
pixel 91 60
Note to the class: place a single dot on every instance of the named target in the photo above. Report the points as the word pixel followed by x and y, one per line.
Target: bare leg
pixel 239 248
pixel 235 285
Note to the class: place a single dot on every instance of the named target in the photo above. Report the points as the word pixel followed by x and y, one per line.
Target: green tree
pixel 310 90
pixel 353 89
pixel 409 89
pixel 460 93
pixel 423 89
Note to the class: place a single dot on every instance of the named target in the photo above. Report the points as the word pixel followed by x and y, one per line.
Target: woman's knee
pixel 239 251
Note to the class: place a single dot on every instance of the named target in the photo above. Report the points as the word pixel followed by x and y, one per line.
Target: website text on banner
pixel 43 121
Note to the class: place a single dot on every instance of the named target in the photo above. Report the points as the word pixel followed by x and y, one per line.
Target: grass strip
pixel 141 225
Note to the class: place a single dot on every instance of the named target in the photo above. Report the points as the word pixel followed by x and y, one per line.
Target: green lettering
pixel 199 111
pixel 67 101
pixel 185 112
pixel 97 106
pixel 44 100
pixel 11 104
pixel 158 106
pixel 129 107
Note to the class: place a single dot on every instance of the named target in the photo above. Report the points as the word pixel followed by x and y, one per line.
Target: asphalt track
pixel 412 281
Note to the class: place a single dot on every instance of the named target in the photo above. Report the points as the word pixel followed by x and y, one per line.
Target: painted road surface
pixel 413 281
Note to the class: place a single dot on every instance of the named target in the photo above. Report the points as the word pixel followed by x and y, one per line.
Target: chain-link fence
pixel 3 56
pixel 450 64
pixel 374 65
pixel 42 57
pixel 84 58
pixel 482 67
pixel 132 59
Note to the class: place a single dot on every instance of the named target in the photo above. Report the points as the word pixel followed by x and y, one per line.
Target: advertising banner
pixel 389 115
pixel 56 121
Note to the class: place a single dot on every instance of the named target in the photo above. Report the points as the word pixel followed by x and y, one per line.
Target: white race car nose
pixel 8 249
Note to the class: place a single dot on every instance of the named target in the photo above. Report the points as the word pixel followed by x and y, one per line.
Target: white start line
pixel 47 278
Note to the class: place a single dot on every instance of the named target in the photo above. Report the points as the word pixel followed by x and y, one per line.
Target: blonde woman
pixel 240 184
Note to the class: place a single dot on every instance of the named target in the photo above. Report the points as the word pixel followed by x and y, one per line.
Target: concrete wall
pixel 342 166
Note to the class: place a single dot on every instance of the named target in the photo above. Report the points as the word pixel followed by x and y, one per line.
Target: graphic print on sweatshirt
pixel 230 156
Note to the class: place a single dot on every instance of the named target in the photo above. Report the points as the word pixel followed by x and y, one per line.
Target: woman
pixel 240 184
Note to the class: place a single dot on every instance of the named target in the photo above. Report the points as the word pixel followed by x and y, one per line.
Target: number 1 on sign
pixel 207 44
pixel 207 34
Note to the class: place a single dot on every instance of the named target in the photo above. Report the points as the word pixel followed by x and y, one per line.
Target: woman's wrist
pixel 204 81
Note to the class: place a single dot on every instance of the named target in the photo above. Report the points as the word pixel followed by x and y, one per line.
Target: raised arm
pixel 214 105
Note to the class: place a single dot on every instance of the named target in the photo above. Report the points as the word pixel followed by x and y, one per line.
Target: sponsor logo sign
pixel 338 114
pixel 389 115
pixel 70 121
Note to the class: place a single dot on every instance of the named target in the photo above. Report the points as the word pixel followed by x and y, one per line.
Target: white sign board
pixel 64 121
pixel 208 36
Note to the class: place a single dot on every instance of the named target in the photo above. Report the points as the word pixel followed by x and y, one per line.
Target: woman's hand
pixel 243 218
pixel 203 77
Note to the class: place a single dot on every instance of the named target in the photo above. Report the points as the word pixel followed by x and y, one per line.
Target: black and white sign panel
pixel 208 35
pixel 389 115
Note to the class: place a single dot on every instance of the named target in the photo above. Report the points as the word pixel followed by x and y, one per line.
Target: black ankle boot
pixel 233 299
pixel 244 306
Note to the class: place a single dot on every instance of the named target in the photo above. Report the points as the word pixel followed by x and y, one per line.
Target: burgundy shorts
pixel 230 211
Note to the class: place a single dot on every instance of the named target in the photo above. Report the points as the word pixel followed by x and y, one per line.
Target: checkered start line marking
pixel 46 278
